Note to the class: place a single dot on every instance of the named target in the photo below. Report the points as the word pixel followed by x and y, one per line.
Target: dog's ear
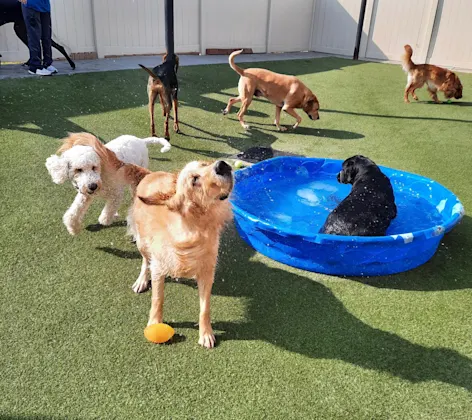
pixel 151 73
pixel 449 85
pixel 58 168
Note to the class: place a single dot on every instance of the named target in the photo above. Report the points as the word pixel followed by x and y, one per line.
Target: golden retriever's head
pixel 199 186
pixel 311 106
pixel 452 87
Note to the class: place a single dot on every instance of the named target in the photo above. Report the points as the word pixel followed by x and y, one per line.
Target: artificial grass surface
pixel 291 344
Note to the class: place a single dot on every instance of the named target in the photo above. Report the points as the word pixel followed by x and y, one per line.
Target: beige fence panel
pixel 335 26
pixel 393 24
pixel 290 25
pixel 451 44
pixel 234 24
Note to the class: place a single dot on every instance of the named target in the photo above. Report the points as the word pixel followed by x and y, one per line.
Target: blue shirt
pixel 39 5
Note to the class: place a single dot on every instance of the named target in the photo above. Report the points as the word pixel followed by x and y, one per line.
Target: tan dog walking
pixel 287 93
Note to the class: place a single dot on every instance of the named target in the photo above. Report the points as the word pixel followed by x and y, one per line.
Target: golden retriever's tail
pixel 407 64
pixel 237 69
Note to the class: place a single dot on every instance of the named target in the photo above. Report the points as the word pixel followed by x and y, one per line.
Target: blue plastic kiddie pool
pixel 280 205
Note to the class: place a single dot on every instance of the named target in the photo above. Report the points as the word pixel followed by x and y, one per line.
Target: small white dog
pixel 94 174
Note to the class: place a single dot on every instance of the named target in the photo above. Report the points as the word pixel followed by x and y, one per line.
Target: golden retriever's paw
pixel 140 285
pixel 245 126
pixel 281 128
pixel 207 339
pixel 154 320
pixel 407 101
pixel 224 111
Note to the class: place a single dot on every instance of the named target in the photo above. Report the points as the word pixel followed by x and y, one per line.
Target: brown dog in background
pixel 163 82
pixel 286 92
pixel 177 220
pixel 437 78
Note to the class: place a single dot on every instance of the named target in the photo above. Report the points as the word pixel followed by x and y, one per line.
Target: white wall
pixel 290 25
pixel 234 24
pixel 451 41
pixel 335 26
pixel 396 23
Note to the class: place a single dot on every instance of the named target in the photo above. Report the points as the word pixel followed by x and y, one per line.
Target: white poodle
pixel 91 167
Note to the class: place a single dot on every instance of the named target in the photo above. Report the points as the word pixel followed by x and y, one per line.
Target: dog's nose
pixel 222 168
pixel 93 187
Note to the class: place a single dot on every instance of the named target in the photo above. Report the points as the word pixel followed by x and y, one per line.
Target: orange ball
pixel 159 333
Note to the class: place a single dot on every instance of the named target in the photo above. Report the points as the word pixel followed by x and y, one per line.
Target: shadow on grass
pixel 313 131
pixel 90 94
pixel 97 227
pixel 303 316
pixel 400 117
pixel 455 103
pixel 130 255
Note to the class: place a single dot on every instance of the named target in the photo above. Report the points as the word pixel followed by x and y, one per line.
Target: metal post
pixel 359 30
pixel 169 13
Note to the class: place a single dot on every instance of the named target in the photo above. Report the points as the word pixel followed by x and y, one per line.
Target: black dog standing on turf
pixel 10 12
pixel 369 208
pixel 163 82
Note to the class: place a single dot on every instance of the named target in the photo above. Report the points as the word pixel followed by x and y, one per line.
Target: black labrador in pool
pixel 370 206
pixel 10 12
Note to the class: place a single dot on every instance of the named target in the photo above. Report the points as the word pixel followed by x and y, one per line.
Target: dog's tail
pixel 407 63
pixel 151 73
pixel 158 140
pixel 237 69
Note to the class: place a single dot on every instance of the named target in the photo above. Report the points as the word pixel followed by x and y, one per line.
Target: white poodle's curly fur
pixel 92 169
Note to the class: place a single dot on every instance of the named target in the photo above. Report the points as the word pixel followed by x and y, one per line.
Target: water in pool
pixel 304 207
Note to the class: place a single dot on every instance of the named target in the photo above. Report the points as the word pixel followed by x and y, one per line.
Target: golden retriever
pixel 177 220
pixel 286 92
pixel 437 78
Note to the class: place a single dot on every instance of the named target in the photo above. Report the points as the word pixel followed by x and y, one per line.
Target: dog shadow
pixel 316 132
pixel 248 138
pixel 443 102
pixel 160 159
pixel 97 227
pixel 129 255
pixel 397 117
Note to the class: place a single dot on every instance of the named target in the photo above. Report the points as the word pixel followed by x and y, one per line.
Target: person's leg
pixel 33 29
pixel 46 34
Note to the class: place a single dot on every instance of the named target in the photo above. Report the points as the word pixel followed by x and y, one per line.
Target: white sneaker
pixel 52 69
pixel 40 72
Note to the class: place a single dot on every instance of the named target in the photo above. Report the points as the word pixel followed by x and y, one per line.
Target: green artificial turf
pixel 291 344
